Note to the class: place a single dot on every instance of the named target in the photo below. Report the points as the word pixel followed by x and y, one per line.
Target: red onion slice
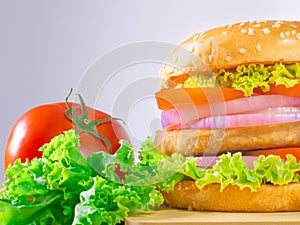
pixel 186 114
pixel 241 120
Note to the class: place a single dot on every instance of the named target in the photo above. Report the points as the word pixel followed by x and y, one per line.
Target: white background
pixel 46 47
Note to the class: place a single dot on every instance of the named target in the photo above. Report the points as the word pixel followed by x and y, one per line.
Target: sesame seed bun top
pixel 226 47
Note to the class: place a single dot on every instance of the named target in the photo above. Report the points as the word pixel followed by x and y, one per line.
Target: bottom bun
pixel 268 198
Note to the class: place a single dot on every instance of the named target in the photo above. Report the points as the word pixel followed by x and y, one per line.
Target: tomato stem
pixel 82 122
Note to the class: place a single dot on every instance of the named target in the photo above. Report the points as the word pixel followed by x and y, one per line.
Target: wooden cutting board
pixel 169 216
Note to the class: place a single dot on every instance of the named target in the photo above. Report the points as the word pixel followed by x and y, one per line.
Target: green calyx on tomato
pixel 82 122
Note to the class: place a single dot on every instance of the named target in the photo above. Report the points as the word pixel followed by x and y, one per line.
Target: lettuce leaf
pixel 154 167
pixel 273 170
pixel 230 169
pixel 35 212
pixel 62 188
pixel 49 186
pixel 248 77
pixel 107 202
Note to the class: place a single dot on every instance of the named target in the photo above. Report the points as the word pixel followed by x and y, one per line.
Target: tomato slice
pixel 177 97
pixel 281 90
pixel 282 152
pixel 179 79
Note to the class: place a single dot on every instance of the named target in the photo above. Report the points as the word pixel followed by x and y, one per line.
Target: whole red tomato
pixel 98 131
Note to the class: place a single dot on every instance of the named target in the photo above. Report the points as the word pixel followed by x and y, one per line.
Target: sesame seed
pixel 293 25
pixel 228 58
pixel 241 24
pixel 242 50
pixel 298 36
pixel 277 24
pixel 258 47
pixel 266 30
pixel 243 31
pixel 287 33
pixel 281 35
pixel 293 32
pixel 250 31
pixel 257 25
pixel 224 32
pixel 210 58
pixel 195 37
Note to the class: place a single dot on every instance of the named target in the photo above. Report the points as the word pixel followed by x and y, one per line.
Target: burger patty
pixel 193 142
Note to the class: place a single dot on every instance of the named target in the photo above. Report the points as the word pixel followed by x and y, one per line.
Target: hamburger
pixel 234 92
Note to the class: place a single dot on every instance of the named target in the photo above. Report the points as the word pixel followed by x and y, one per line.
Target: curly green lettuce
pixel 153 167
pixel 230 169
pixel 62 188
pixel 248 77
